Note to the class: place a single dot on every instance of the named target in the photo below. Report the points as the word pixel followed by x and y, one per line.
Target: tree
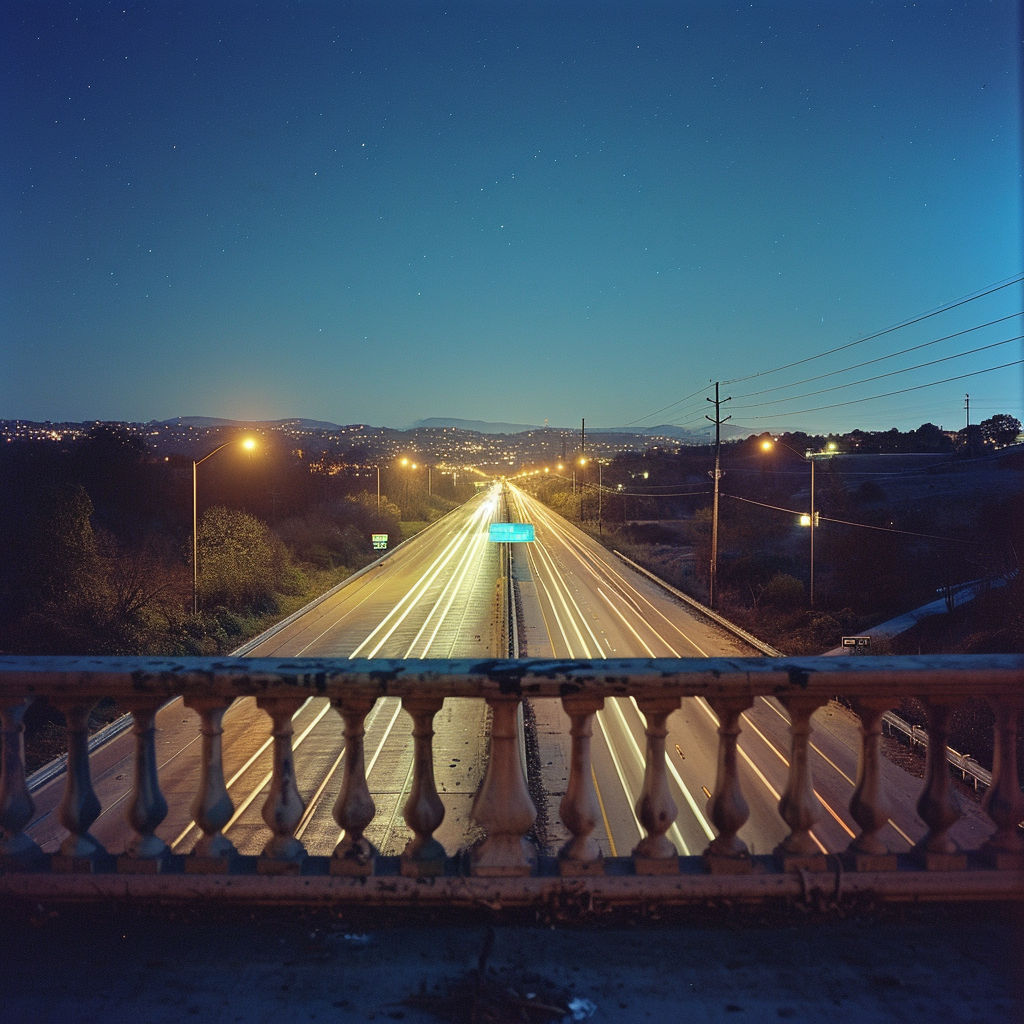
pixel 930 438
pixel 62 551
pixel 241 563
pixel 1000 429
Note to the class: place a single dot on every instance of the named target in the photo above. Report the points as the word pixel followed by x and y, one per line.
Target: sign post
pixel 857 644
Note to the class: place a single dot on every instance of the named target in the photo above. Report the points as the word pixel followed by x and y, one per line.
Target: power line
pixel 881 376
pixel 878 359
pixel 878 334
pixel 889 394
pixel 669 406
pixel 862 526
pixel 683 420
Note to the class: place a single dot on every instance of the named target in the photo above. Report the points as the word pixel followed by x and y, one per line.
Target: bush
pixel 784 591
pixel 241 563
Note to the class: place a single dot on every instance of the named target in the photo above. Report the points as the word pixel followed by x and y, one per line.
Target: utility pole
pixel 967 406
pixel 813 513
pixel 718 421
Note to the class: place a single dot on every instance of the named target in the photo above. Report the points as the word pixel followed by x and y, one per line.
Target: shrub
pixel 784 591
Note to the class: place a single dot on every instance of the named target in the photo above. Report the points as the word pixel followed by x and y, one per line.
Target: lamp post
pixel 405 462
pixel 245 442
pixel 378 486
pixel 807 457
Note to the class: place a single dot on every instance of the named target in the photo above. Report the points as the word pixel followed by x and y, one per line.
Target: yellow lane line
pixel 604 814
pixel 757 771
pixel 820 752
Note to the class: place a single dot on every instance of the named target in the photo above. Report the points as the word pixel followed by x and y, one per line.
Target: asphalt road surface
pixel 435 598
pixel 579 601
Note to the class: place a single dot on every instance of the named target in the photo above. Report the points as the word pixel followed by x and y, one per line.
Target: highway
pixel 432 598
pixel 436 598
pixel 579 601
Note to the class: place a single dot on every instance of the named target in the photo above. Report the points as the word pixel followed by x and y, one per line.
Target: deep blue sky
pixel 381 212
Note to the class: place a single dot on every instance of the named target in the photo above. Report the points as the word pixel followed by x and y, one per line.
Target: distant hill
pixel 213 421
pixel 664 430
pixel 477 426
pixel 699 436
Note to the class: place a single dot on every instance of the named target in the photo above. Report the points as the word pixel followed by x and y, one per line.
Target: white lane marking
pixel 621 774
pixel 241 771
pixel 757 771
pixel 419 589
pixel 708 831
pixel 469 558
pixel 625 622
pixel 825 756
pixel 588 559
pixel 380 745
pixel 241 808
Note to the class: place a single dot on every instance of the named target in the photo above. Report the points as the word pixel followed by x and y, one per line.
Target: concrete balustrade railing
pixel 505 860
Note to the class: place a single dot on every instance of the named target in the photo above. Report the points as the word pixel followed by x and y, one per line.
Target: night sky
pixel 381 212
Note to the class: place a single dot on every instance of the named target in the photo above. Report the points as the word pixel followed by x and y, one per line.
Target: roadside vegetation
pixel 925 527
pixel 97 552
pixel 893 534
pixel 97 556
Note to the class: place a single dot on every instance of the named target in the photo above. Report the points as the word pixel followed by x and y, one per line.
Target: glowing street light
pixel 809 520
pixel 246 442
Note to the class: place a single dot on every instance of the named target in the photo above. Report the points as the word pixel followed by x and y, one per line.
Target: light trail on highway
pixel 579 602
pixel 435 597
pixel 432 598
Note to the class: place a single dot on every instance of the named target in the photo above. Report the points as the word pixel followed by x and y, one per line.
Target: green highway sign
pixel 511 533
pixel 380 542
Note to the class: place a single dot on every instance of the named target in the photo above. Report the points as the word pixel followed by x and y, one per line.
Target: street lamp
pixel 811 519
pixel 245 442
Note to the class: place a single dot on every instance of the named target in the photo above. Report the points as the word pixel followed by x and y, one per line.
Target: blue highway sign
pixel 511 533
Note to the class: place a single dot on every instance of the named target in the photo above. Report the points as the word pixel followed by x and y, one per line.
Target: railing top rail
pixel 948 677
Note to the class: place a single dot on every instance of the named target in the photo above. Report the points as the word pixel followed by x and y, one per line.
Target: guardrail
pixel 918 737
pixel 758 645
pixel 915 734
pixel 504 868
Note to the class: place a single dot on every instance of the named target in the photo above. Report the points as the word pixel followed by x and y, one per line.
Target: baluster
pixel 283 808
pixel 1003 802
pixel 212 807
pixel 424 812
pixel 868 806
pixel 354 808
pixel 938 810
pixel 79 805
pixel 147 807
pixel 579 809
pixel 502 805
pixel 728 810
pixel 655 854
pixel 799 806
pixel 16 804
